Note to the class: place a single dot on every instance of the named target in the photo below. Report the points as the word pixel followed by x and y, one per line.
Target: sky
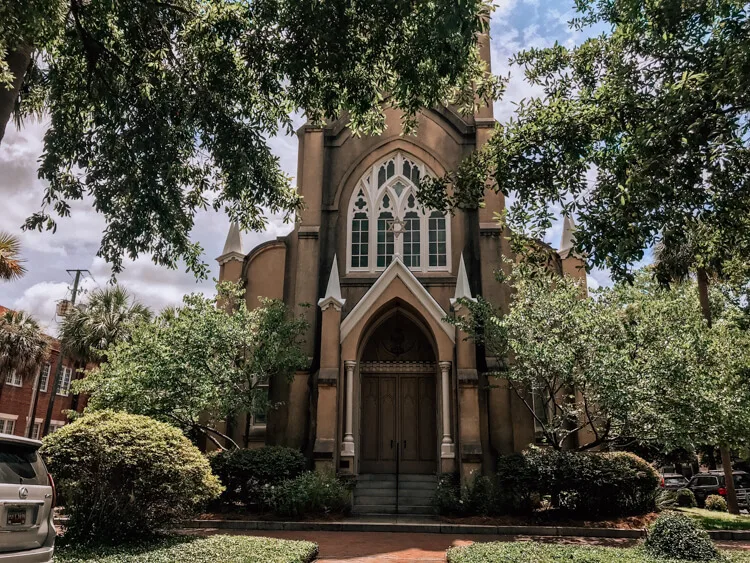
pixel 516 25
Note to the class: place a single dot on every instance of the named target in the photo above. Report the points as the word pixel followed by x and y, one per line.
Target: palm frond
pixel 11 265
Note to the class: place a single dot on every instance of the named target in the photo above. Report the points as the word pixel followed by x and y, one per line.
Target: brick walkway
pixel 377 547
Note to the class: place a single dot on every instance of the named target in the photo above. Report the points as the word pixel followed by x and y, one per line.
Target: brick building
pixel 18 394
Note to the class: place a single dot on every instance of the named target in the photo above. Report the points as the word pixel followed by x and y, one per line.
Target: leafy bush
pixel 590 484
pixel 124 476
pixel 665 500
pixel 716 503
pixel 674 536
pixel 186 549
pixel 311 493
pixel 686 498
pixel 517 484
pixel 245 472
pixel 477 497
pixel 447 498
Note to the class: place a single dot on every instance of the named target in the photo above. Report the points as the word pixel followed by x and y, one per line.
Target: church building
pixel 393 391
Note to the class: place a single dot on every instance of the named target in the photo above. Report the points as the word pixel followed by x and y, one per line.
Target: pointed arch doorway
pixel 399 411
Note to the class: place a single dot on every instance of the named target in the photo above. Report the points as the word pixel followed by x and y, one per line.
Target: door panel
pixel 398 413
pixel 409 419
pixel 388 409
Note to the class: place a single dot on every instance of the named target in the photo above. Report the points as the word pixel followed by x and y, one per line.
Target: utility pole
pixel 58 371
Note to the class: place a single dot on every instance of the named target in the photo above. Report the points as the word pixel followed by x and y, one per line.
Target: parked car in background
pixel 713 483
pixel 27 499
pixel 673 481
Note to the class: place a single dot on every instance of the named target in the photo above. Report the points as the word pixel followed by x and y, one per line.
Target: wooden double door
pixel 398 426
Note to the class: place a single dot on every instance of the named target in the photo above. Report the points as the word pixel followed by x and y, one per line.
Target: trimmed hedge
pixel 244 473
pixel 528 552
pixel 214 549
pixel 677 537
pixel 124 476
pixel 590 485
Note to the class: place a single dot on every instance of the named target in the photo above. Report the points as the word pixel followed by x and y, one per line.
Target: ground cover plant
pixel 520 552
pixel 717 520
pixel 224 549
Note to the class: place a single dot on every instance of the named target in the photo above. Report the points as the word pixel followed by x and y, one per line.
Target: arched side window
pixel 385 219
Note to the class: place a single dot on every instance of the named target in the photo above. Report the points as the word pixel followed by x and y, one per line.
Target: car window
pixel 21 464
pixel 742 481
pixel 705 481
pixel 674 481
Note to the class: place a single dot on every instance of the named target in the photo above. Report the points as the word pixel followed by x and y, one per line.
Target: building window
pixel 13 378
pixel 385 239
pixel 384 201
pixel 36 431
pixel 260 406
pixel 7 426
pixel 411 235
pixel 44 378
pixel 437 240
pixel 63 387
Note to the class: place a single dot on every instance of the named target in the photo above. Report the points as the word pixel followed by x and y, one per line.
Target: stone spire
pixel 567 239
pixel 233 245
pixel 333 291
pixel 463 290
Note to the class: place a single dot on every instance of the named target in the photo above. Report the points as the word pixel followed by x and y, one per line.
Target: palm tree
pixel 87 331
pixel 11 267
pixel 677 257
pixel 23 346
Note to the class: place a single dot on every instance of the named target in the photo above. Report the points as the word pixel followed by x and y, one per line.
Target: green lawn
pixel 184 549
pixel 712 520
pixel 507 552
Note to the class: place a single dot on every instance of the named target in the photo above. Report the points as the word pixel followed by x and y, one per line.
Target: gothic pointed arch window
pixel 386 220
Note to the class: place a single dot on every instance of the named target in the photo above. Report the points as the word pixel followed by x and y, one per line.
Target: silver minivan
pixel 27 499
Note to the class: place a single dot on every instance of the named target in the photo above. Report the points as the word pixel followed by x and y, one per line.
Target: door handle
pixel 404 444
pixel 391 444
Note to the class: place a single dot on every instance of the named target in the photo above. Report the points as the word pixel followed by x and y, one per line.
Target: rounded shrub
pixel 686 498
pixel 675 536
pixel 125 476
pixel 447 498
pixel 716 503
pixel 244 472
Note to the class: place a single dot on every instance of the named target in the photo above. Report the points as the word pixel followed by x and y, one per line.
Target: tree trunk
pixel 18 61
pixel 726 457
pixel 703 295
pixel 34 402
pixel 726 463
pixel 52 394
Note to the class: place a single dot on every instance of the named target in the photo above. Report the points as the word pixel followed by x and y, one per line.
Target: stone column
pixel 447 447
pixel 326 435
pixel 347 446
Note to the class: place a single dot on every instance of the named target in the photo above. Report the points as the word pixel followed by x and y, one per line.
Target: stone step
pixel 417 485
pixel 403 478
pixel 416 509
pixel 376 477
pixel 368 500
pixel 414 499
pixel 372 485
pixel 374 509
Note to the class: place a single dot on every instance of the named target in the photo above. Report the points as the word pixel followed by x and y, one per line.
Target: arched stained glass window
pixel 386 201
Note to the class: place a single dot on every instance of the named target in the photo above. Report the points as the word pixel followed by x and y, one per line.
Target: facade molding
pixel 397 270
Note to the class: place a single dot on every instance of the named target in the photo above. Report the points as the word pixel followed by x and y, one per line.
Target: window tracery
pixel 385 219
